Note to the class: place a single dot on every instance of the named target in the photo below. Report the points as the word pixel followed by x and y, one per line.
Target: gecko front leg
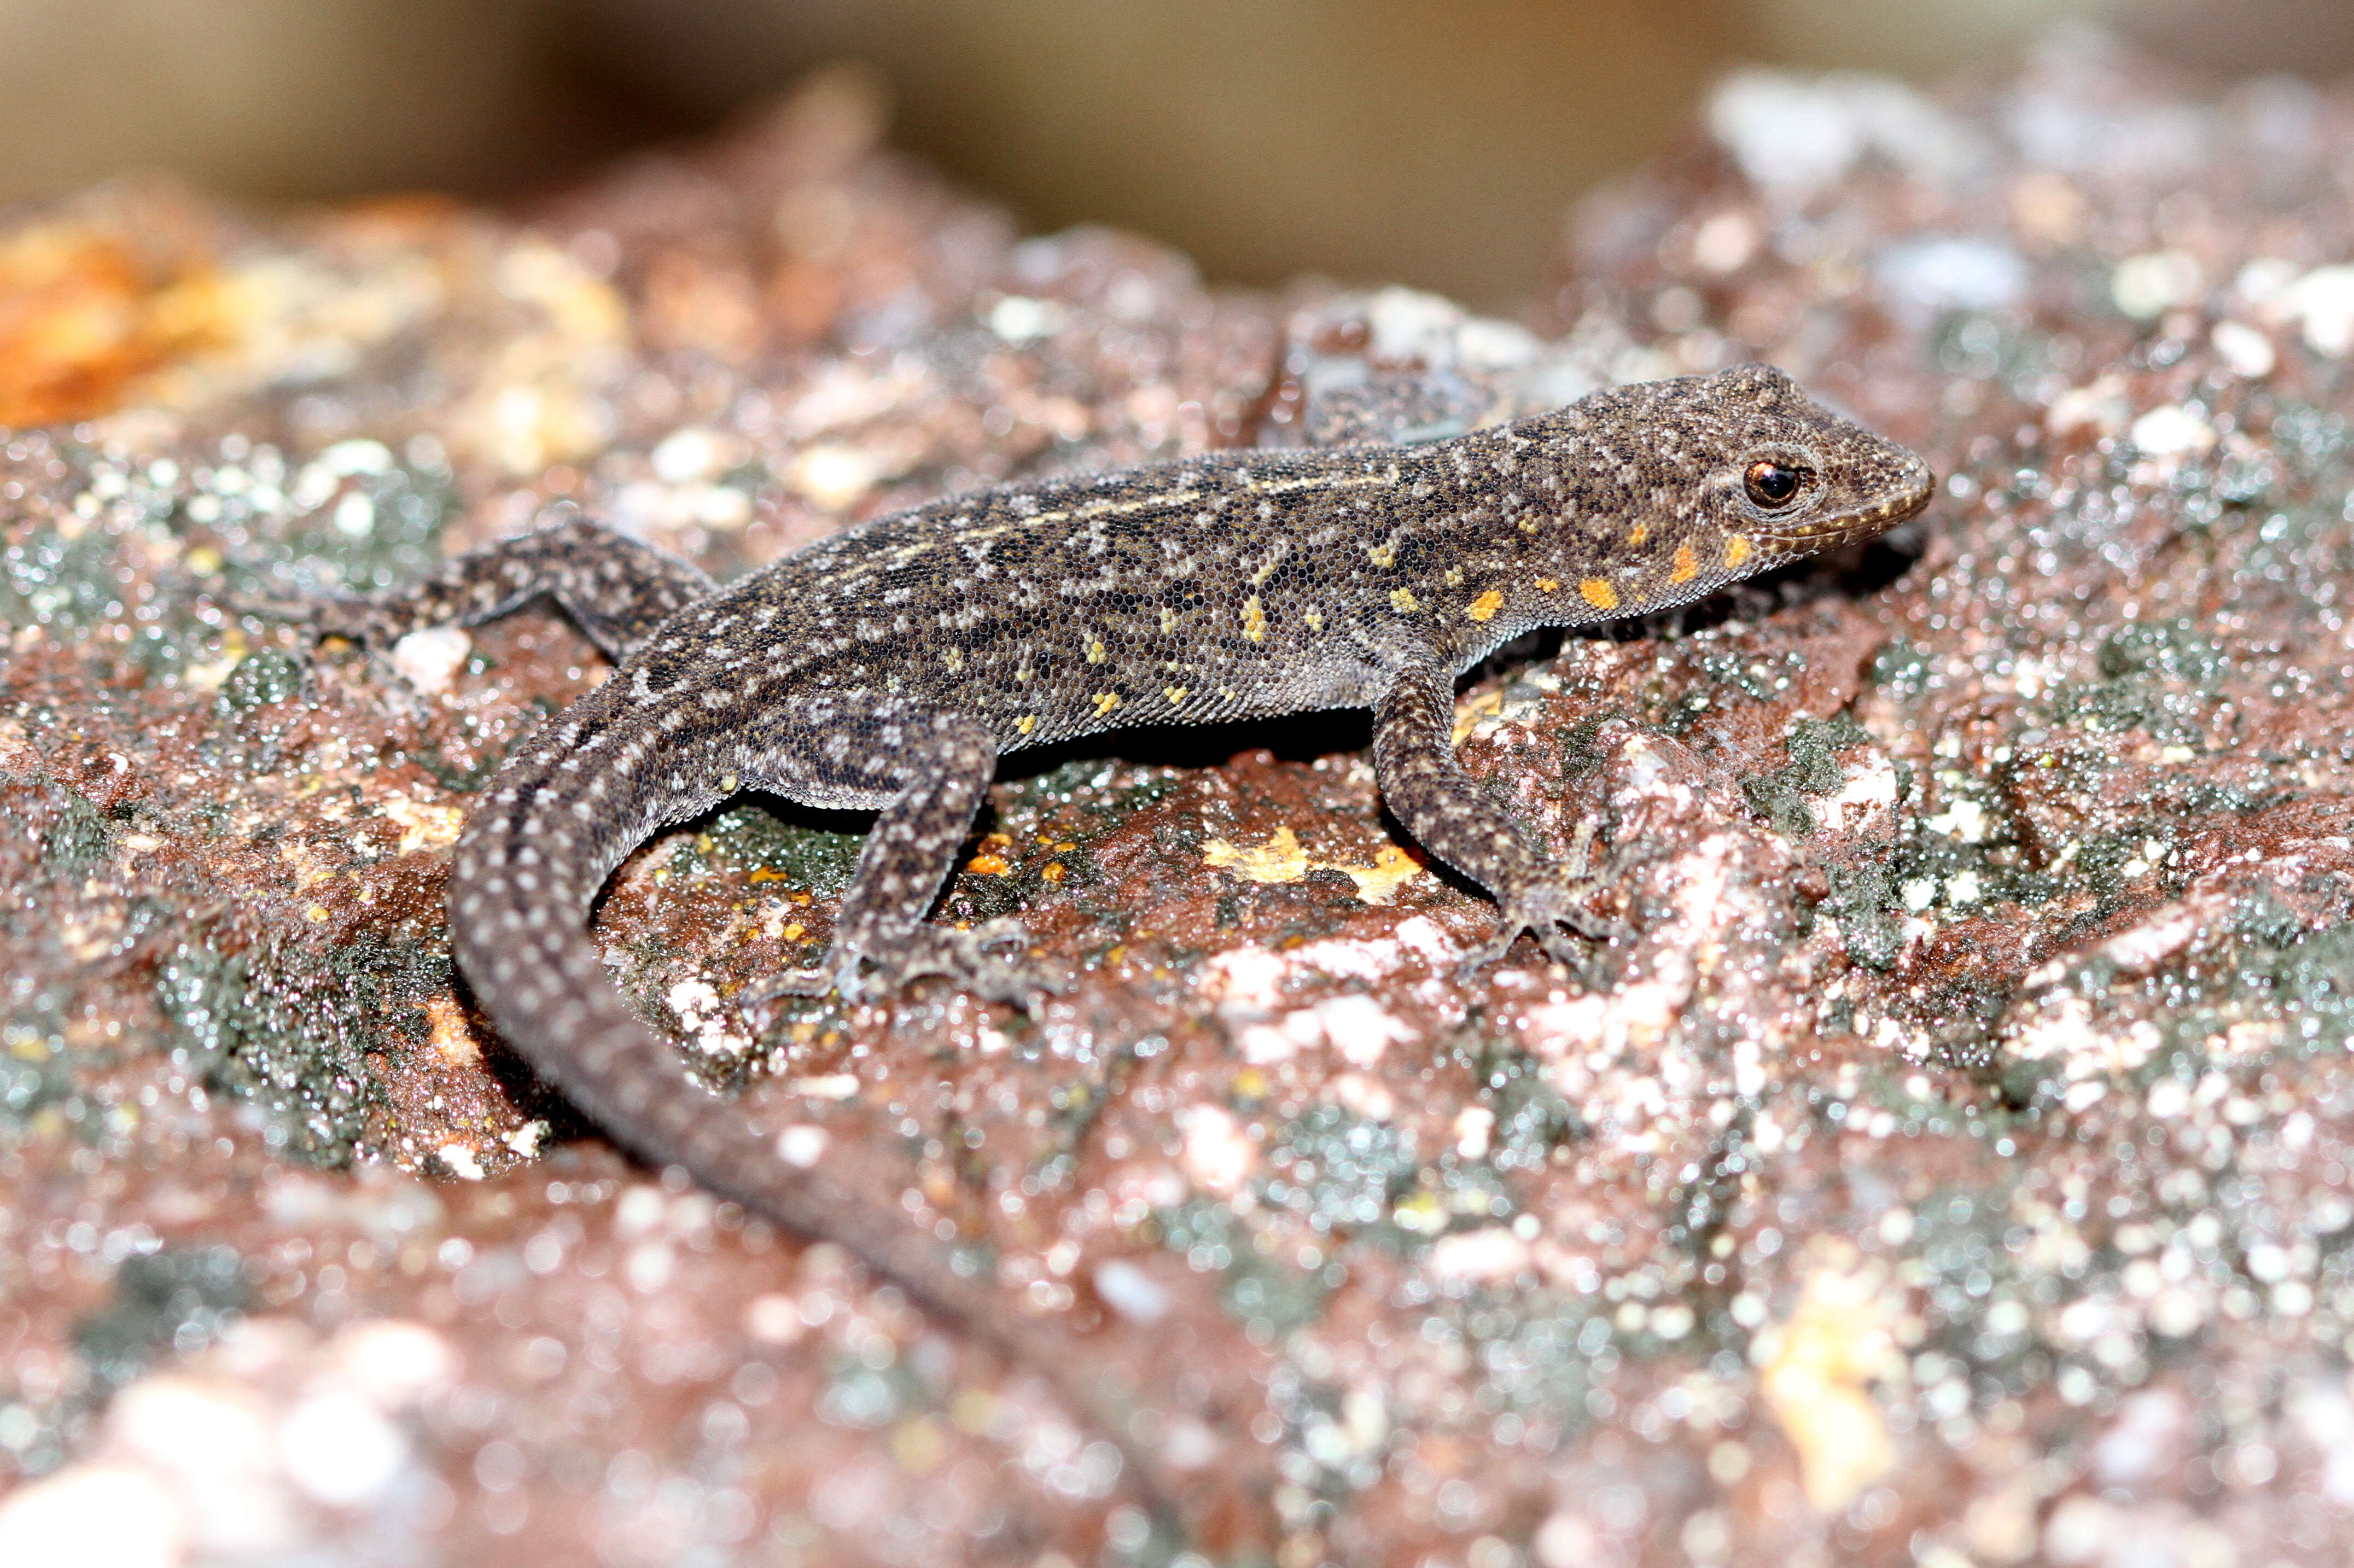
pixel 881 938
pixel 1424 784
pixel 617 590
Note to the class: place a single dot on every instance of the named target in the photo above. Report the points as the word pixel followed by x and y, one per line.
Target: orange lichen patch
pixel 1818 1370
pixel 83 315
pixel 1282 859
pixel 1468 713
pixel 1687 565
pixel 1379 883
pixel 1736 550
pixel 1598 593
pixel 1485 606
pixel 453 1037
pixel 988 862
pixel 423 826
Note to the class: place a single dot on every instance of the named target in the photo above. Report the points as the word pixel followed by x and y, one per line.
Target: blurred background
pixel 1414 141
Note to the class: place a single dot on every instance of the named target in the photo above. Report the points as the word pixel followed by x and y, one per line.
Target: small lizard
pixel 887 668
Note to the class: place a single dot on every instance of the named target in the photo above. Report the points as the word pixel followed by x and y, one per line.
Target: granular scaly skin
pixel 889 667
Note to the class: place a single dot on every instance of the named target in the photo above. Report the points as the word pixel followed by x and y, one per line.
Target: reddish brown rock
pixel 1953 1169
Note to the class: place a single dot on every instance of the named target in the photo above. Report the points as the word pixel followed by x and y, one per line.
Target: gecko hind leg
pixel 1424 784
pixel 616 589
pixel 881 938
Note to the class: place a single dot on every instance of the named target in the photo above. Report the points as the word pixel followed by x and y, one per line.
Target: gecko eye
pixel 1774 485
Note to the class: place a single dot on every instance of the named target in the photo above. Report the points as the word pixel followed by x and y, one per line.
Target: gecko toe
pixel 1543 911
pixel 302 611
pixel 1560 949
pixel 964 958
pixel 796 982
pixel 1007 977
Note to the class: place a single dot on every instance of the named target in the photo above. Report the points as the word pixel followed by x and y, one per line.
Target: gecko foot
pixel 1542 911
pixel 1542 908
pixel 963 957
pixel 322 615
pixel 356 620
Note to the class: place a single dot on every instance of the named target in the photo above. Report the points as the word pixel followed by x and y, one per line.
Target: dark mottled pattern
pixel 889 666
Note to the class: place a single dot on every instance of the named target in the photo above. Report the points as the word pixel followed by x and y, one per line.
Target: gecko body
pixel 890 666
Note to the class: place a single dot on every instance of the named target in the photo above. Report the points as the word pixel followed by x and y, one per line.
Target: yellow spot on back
pixel 1106 702
pixel 1736 550
pixel 1176 695
pixel 1381 555
pixel 1405 601
pixel 1254 619
pixel 1687 565
pixel 1486 605
pixel 1315 621
pixel 729 785
pixel 1546 585
pixel 1168 620
pixel 1527 525
pixel 1026 723
pixel 1095 651
pixel 1599 594
pixel 1639 532
pixel 956 660
pixel 1455 577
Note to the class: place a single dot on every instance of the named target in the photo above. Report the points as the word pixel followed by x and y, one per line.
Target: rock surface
pixel 1953 1170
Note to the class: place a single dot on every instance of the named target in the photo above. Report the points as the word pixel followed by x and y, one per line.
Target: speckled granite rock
pixel 1953 1171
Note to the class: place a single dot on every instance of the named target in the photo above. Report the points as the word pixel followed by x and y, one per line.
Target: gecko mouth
pixel 1863 522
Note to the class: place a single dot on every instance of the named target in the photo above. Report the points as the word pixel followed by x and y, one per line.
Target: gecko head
pixel 1785 473
pixel 1713 478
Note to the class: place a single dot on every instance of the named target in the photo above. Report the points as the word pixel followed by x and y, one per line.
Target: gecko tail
pixel 554 824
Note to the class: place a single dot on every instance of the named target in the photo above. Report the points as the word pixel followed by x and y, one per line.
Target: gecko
pixel 888 667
